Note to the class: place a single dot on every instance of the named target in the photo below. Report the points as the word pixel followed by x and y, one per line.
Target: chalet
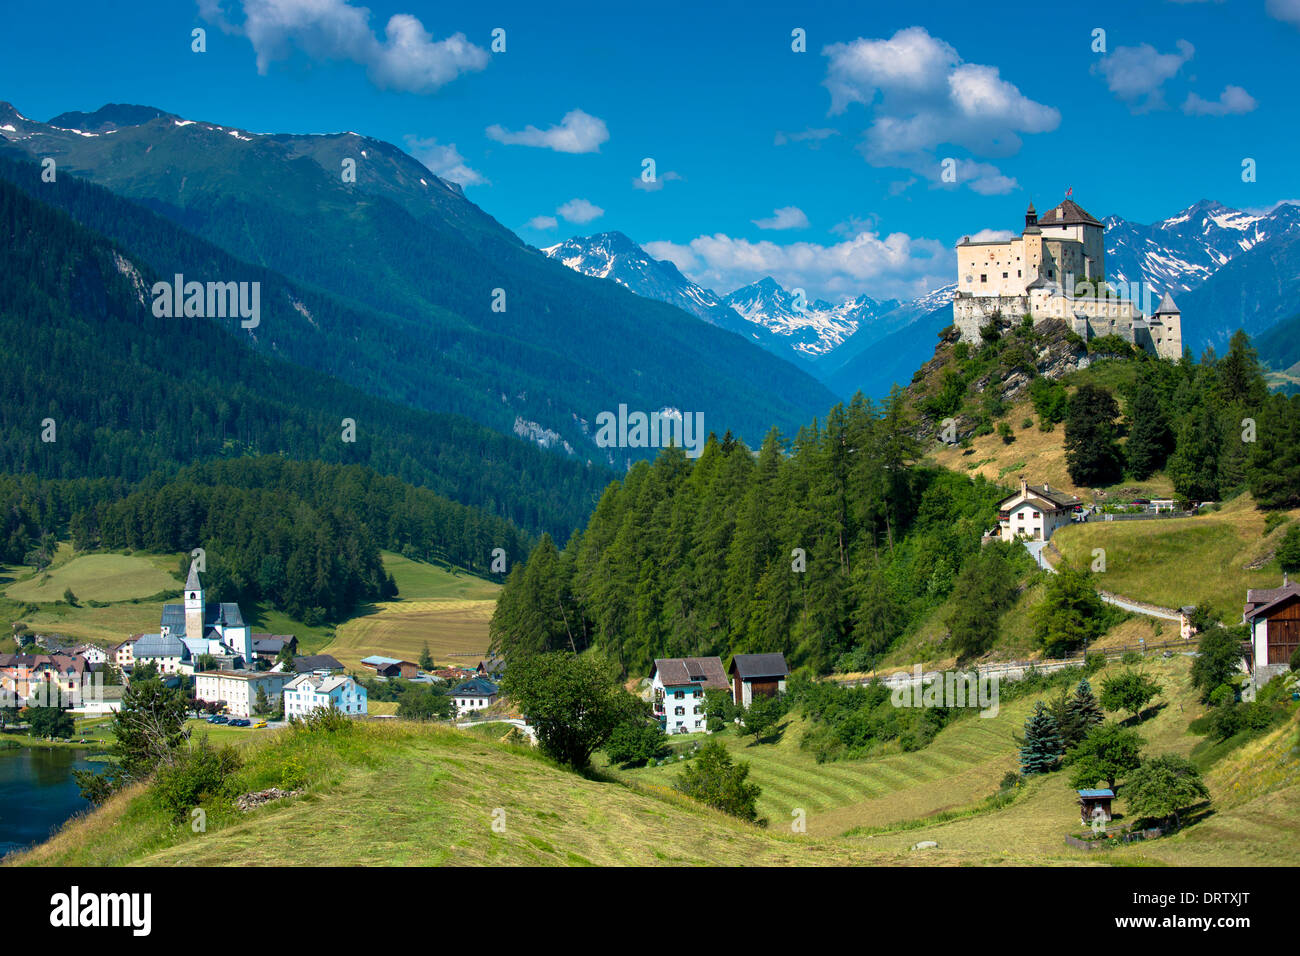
pixel 237 690
pixel 267 647
pixel 1034 512
pixel 475 694
pixel 123 655
pixel 1273 617
pixel 677 686
pixel 1095 804
pixel 316 664
pixel 494 668
pixel 308 692
pixel 91 653
pixel 761 675
pixel 391 666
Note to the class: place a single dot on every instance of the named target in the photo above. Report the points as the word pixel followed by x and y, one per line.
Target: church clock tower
pixel 193 603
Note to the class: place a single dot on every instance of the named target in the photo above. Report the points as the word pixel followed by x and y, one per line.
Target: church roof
pixel 1068 213
pixel 192 582
pixel 1166 305
pixel 227 615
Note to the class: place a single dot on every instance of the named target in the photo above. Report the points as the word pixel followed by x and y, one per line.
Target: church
pixel 1056 268
pixel 188 631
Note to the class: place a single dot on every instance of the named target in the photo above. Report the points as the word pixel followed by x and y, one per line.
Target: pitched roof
pixel 1054 496
pixel 378 660
pixel 192 580
pixel 1166 305
pixel 476 686
pixel 1096 793
pixel 316 662
pixel 752 666
pixel 1067 213
pixel 1260 602
pixel 271 643
pixel 676 671
pixel 155 645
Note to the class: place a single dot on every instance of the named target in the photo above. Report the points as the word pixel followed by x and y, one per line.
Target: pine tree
pixel 1042 749
pixel 1091 455
pixel 1082 712
pixel 1149 435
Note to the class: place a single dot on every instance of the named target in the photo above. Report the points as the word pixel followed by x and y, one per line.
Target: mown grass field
pixel 1180 561
pixel 447 611
pixel 398 793
pixel 101 577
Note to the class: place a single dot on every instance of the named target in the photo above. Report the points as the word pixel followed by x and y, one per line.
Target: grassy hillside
pixel 1212 558
pixel 100 577
pixel 402 793
pixel 448 610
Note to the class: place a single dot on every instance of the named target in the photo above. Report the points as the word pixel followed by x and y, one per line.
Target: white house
pixel 476 693
pixel 124 653
pixel 1273 616
pixel 677 686
pixel 1034 512
pixel 308 692
pixel 169 654
pixel 91 653
pixel 238 689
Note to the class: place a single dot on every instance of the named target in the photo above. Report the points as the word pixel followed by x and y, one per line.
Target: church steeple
pixel 1031 215
pixel 193 603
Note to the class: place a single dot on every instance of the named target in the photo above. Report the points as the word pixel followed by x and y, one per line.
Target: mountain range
pixel 1230 269
pixel 446 310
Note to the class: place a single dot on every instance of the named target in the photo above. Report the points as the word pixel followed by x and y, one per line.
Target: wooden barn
pixel 761 675
pixel 1273 616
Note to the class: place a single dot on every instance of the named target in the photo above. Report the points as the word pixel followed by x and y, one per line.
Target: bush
pixel 712 779
pixel 635 743
pixel 204 772
pixel 324 720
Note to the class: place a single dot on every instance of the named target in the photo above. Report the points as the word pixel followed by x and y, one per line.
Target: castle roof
pixel 1166 305
pixel 1068 213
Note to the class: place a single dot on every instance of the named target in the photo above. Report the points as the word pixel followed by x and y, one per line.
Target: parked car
pixel 219 719
pixel 241 722
pixel 260 725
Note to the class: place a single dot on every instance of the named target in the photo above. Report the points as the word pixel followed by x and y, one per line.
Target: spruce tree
pixel 1091 455
pixel 1149 434
pixel 1082 712
pixel 1042 749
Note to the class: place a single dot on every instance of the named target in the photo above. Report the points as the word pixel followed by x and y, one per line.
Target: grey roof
pixel 476 687
pixel 316 662
pixel 192 581
pixel 1260 601
pixel 270 644
pixel 1166 305
pixel 1051 495
pixel 676 671
pixel 751 666
pixel 155 645
pixel 227 615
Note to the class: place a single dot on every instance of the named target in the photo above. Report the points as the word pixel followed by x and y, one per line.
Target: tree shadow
pixel 1142 716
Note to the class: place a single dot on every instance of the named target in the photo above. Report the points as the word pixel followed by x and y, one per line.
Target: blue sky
pixel 822 168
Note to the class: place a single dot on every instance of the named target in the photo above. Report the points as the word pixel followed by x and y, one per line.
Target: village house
pixel 169 654
pixel 757 675
pixel 477 693
pixel 194 630
pixel 267 647
pixel 677 686
pixel 23 676
pixel 124 654
pixel 1034 512
pixel 391 666
pixel 91 653
pixel 306 693
pixel 312 664
pixel 494 668
pixel 237 690
pixel 1273 616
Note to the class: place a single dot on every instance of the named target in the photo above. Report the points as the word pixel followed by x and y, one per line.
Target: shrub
pixel 324 720
pixel 1295 661
pixel 204 772
pixel 636 742
pixel 713 779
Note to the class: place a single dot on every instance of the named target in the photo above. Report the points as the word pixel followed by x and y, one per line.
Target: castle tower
pixel 193 603
pixel 1167 329
pixel 1031 216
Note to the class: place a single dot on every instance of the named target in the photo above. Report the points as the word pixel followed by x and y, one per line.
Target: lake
pixel 38 793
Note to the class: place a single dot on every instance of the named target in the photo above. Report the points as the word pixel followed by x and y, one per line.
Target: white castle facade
pixel 1056 269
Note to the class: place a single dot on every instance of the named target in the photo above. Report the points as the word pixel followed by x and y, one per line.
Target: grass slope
pixel 395 792
pixel 100 577
pixel 1211 558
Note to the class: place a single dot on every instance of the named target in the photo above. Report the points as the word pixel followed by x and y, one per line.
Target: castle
pixel 1056 269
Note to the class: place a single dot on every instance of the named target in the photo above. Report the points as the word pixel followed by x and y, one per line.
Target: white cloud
pixel 896 264
pixel 578 132
pixel 580 211
pixel 813 137
pixel 992 235
pixel 408 58
pixel 444 161
pixel 657 183
pixel 1137 74
pixel 922 96
pixel 1285 10
pixel 542 222
pixel 787 217
pixel 1231 101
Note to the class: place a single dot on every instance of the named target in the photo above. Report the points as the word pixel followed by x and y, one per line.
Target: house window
pixel 679 712
pixel 1037 515
pixel 984 277
pixel 679 694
